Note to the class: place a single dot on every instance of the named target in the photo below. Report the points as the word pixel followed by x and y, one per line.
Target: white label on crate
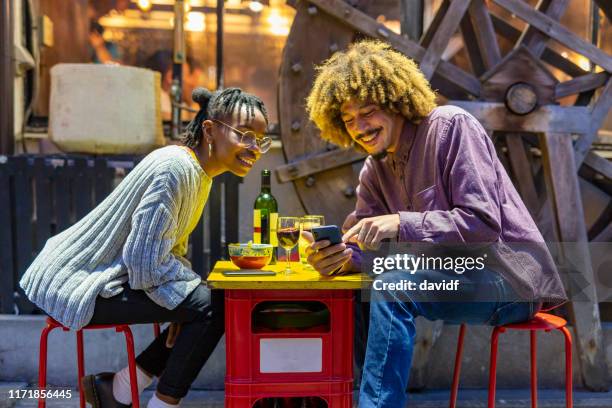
pixel 291 355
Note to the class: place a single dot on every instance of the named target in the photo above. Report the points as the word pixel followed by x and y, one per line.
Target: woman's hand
pixel 173 332
pixel 324 257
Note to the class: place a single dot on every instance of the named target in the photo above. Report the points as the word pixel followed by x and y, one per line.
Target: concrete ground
pixel 470 398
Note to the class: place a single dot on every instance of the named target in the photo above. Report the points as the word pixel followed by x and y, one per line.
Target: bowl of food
pixel 250 256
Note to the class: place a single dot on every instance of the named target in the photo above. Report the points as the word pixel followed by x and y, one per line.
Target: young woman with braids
pixel 124 263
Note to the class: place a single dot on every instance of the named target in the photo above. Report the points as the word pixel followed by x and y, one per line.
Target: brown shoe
pixel 98 390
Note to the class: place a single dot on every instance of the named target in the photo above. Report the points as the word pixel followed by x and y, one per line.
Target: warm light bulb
pixel 195 21
pixel 187 7
pixel 274 18
pixel 279 25
pixel 145 5
pixel 256 6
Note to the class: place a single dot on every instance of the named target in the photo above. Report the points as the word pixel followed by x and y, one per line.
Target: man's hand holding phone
pixel 328 253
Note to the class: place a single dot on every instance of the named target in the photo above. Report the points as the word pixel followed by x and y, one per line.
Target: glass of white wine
pixel 308 222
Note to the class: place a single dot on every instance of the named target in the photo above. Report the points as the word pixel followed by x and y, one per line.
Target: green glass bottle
pixel 265 215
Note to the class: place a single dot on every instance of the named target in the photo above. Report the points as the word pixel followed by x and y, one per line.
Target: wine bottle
pixel 265 215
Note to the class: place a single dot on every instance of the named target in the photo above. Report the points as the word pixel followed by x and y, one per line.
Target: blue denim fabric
pixel 484 297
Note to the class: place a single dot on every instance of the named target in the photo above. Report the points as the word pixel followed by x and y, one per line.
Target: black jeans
pixel 202 318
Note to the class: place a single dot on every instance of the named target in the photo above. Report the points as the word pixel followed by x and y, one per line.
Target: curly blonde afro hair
pixel 370 71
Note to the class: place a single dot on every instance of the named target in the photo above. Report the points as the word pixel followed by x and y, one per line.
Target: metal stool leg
pixel 457 370
pixel 81 365
pixel 534 369
pixel 129 340
pixel 42 363
pixel 493 365
pixel 569 402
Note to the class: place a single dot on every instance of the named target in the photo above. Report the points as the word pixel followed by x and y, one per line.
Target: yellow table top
pixel 301 278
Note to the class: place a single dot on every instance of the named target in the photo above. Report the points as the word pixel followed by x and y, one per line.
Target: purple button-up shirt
pixel 448 186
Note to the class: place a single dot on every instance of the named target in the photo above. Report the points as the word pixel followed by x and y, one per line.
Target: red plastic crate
pixel 337 394
pixel 243 346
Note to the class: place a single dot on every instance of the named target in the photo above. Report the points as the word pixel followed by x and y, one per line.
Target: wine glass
pixel 288 233
pixel 308 222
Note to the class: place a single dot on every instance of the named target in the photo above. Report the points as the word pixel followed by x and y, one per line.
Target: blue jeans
pixel 483 297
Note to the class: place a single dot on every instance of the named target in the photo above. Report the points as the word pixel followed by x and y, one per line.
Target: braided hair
pixel 219 105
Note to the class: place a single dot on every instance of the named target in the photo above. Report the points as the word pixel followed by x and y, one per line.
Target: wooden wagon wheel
pixel 514 96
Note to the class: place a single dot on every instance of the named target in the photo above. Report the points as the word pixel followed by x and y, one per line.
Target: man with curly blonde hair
pixel 432 176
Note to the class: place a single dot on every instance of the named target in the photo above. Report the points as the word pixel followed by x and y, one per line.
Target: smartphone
pixel 249 272
pixel 328 232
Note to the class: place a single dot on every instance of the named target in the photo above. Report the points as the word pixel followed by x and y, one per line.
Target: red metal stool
pixel 129 339
pixel 541 321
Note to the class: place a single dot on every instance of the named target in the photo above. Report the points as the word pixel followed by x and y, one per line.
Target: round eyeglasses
pixel 249 138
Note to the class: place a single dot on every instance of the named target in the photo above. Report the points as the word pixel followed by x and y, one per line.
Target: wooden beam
pixel 435 23
pixel 580 84
pixel 599 164
pixel 601 109
pixel 7 78
pixel 606 7
pixel 442 36
pixel 564 64
pixel 411 23
pixel 534 39
pixel 605 235
pixel 468 32
pixel 519 66
pixel 485 33
pixel 7 219
pixel 365 24
pixel 504 28
pixel 548 118
pixel 479 38
pixel 597 201
pixel 448 89
pixel 598 114
pixel 317 163
pixel 562 184
pixel 521 168
pixel 550 56
pixel 459 77
pixel 557 32
pixel 529 34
